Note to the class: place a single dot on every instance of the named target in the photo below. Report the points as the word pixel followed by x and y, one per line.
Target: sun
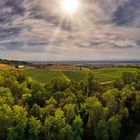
pixel 70 6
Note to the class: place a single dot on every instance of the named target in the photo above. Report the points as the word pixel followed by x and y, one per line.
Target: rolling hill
pixel 103 74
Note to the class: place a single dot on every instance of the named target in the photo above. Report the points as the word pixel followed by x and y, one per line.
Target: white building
pixel 20 66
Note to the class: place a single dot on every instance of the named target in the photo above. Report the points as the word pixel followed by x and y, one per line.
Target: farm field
pixel 43 75
pixel 110 74
pixel 4 67
pixel 103 74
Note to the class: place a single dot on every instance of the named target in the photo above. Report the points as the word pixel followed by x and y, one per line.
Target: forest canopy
pixel 61 110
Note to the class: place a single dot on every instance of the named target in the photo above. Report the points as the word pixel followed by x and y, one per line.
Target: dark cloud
pixel 23 46
pixel 11 45
pixel 8 32
pixel 37 43
pixel 123 47
pixel 9 10
pixel 126 13
pixel 17 6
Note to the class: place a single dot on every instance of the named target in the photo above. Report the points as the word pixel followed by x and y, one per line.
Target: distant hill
pixel 13 62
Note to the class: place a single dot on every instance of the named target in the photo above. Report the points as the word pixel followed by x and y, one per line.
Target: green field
pixel 103 74
pixel 110 74
pixel 43 75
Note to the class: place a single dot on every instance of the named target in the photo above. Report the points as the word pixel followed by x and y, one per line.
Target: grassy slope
pixel 43 75
pixel 104 74
pixel 109 74
pixel 77 75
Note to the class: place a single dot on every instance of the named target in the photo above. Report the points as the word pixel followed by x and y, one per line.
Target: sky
pixel 40 30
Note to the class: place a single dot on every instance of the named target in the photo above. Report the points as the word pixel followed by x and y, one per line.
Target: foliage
pixel 68 110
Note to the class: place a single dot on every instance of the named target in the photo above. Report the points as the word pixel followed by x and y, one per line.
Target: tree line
pixel 14 62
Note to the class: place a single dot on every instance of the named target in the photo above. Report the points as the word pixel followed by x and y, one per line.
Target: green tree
pixel 69 110
pixel 110 98
pixel 89 84
pixel 38 94
pixel 19 121
pixel 102 130
pixel 5 120
pixel 56 127
pixel 128 77
pixel 114 123
pixel 93 85
pixel 119 83
pixel 35 111
pixel 94 109
pixel 6 96
pixel 35 127
pixel 77 126
pixel 50 106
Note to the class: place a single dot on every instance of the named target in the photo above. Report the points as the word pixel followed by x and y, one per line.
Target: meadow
pixel 102 74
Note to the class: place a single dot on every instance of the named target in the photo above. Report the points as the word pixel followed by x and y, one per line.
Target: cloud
pixel 29 46
pixel 128 13
pixel 6 33
pixel 99 28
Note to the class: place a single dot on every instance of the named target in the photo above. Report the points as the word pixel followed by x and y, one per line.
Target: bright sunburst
pixel 70 6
